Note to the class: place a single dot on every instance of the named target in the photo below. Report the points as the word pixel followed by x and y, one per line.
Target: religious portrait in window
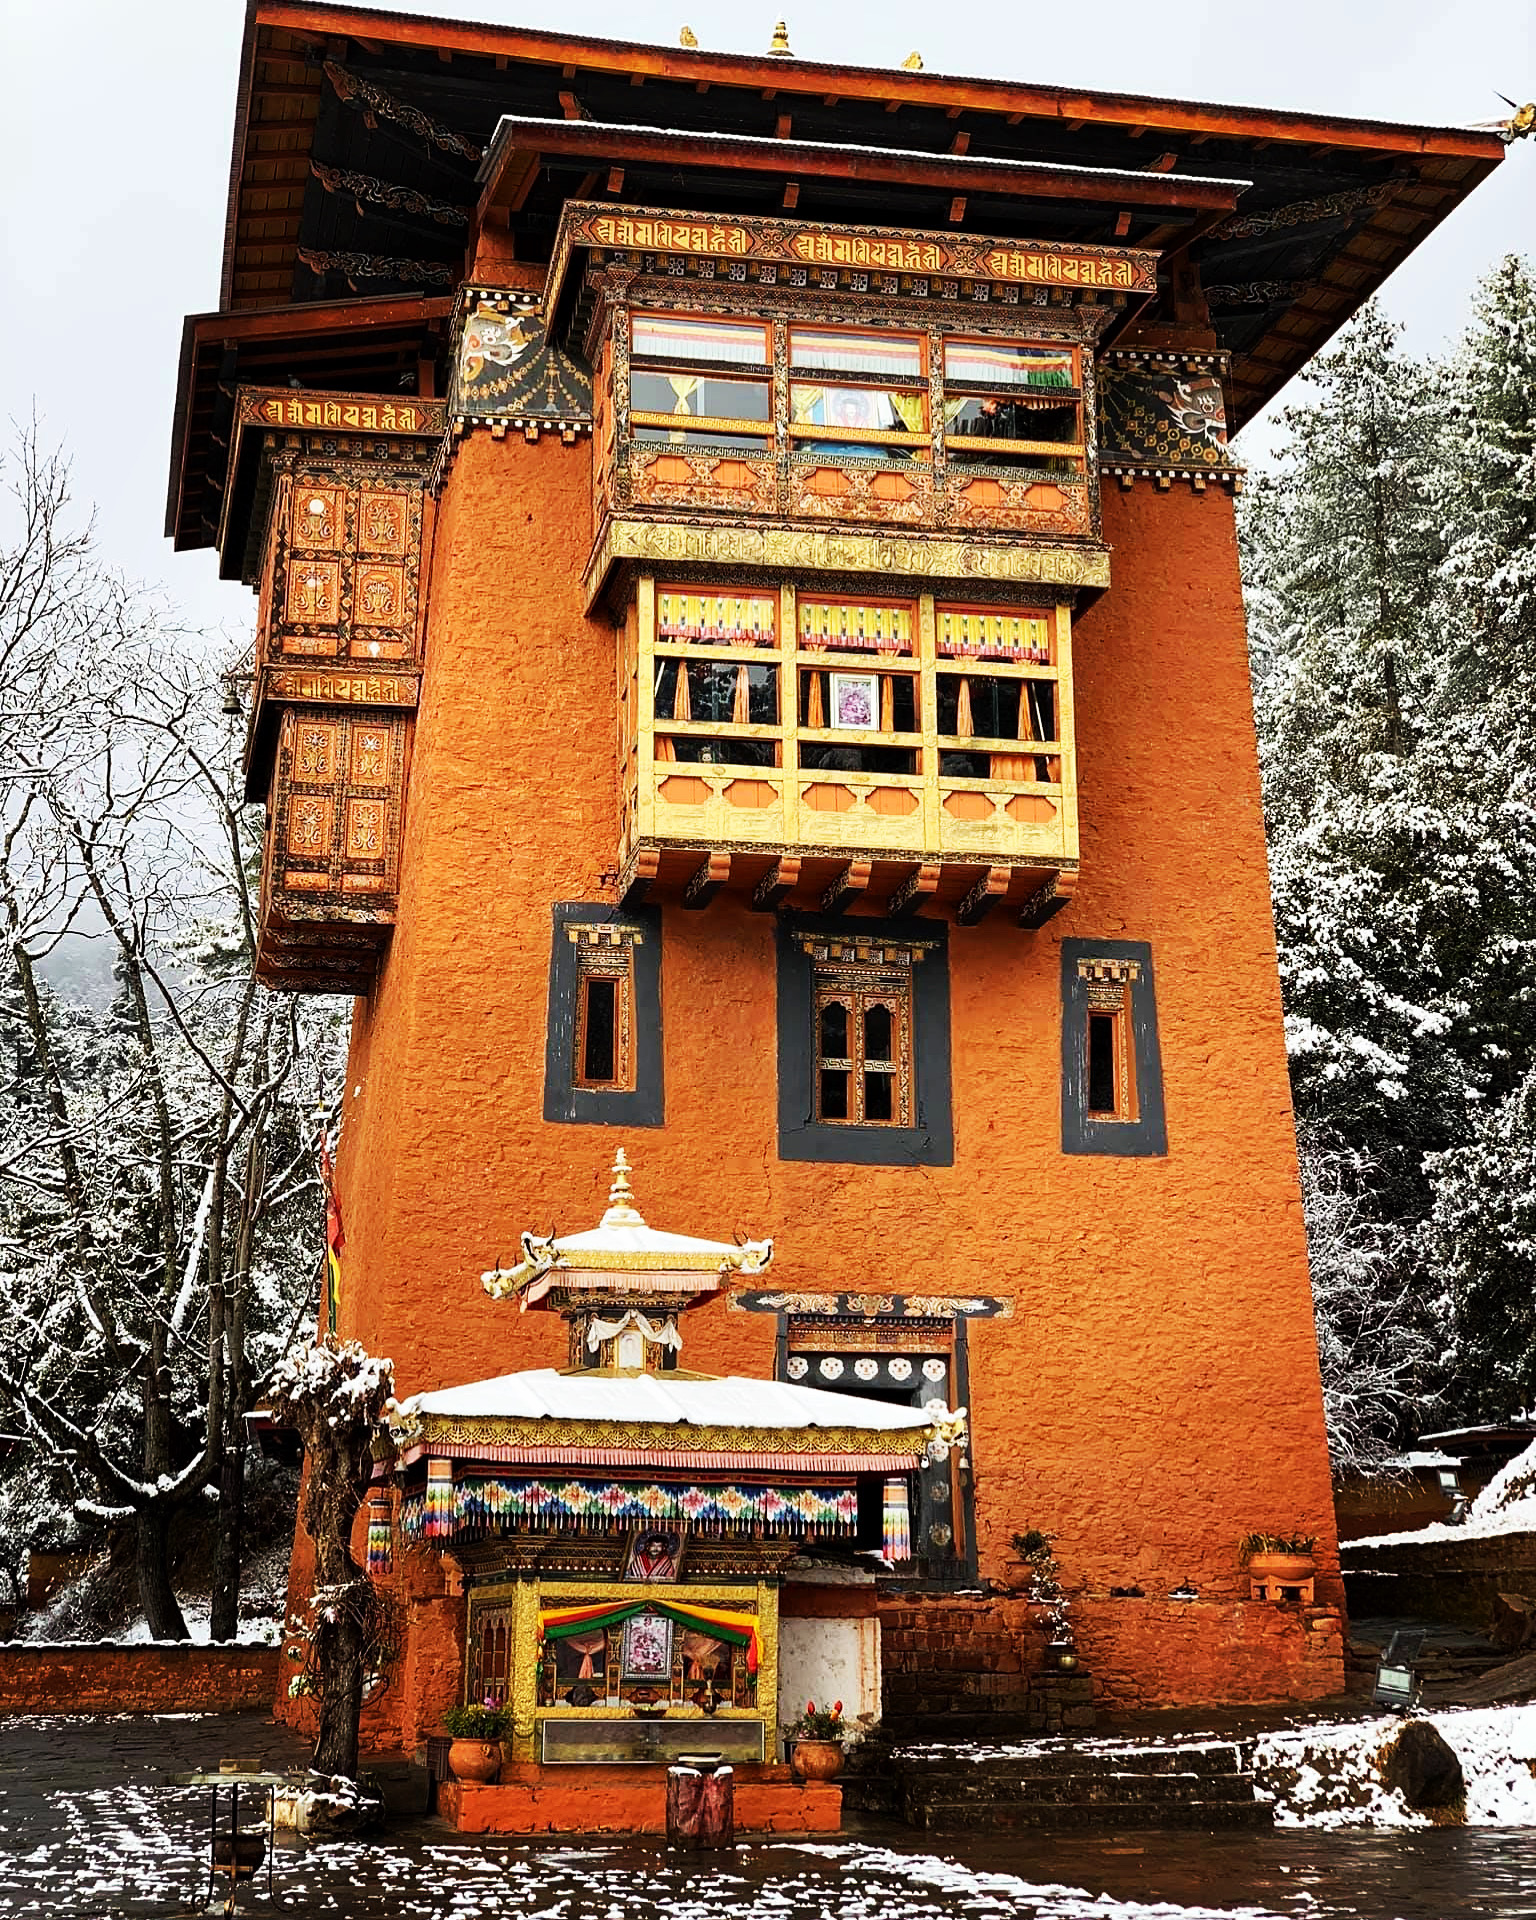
pixel 1111 1069
pixel 602 1060
pixel 655 1556
pixel 855 702
pixel 863 1043
pixel 647 1648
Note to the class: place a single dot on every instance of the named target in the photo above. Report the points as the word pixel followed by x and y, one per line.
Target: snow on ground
pixel 132 1850
pixel 1327 1777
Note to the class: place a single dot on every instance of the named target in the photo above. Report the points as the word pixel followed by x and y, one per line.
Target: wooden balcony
pixel 744 765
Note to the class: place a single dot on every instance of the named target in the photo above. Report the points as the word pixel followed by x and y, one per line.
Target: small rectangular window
pixel 604 1016
pixel 1103 1079
pixel 602 1056
pixel 863 1042
pixel 1112 1088
pixel 684 388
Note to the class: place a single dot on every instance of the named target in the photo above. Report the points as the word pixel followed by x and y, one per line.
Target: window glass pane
pixel 995 418
pixel 877 1033
pixel 859 409
pixel 1103 1090
pixel 699 394
pixel 1006 363
pixel 598 1050
pixel 672 337
pixel 834 1095
pixel 878 1089
pixel 834 1031
pixel 843 350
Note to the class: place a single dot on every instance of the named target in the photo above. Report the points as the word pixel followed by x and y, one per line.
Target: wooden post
pixel 701 1808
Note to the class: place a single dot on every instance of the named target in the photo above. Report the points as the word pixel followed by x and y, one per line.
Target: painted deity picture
pixel 647 1653
pixel 855 702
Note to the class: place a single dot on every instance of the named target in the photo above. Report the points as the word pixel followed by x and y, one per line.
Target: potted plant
pixel 1044 1592
pixel 1280 1559
pixel 816 1741
pixel 476 1732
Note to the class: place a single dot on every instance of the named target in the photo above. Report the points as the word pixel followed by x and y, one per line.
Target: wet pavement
pixel 88 1828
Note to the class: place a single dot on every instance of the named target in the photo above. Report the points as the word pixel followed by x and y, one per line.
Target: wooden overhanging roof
pixel 364 142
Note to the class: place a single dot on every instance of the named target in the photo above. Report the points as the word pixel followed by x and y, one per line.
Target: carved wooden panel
pixel 337 796
pixel 1019 505
pixel 829 490
pixel 346 566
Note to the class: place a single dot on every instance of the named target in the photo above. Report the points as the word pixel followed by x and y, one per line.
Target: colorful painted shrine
pixel 622 1526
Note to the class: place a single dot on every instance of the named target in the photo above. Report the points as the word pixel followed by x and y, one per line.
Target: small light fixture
pixel 781 49
pixel 1397 1686
pixel 1450 1486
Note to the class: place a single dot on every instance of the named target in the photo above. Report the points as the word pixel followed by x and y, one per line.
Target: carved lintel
pixel 637 878
pixel 1047 900
pixel 777 883
pixel 914 892
pixel 707 880
pixel 846 888
pixel 984 896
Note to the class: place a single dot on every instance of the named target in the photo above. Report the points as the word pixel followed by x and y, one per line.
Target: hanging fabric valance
pixel 737 1629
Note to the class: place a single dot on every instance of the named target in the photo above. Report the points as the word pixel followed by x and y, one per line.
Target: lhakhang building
pixel 750 670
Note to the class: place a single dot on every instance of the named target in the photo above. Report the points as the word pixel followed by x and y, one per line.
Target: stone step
pixel 962 1816
pixel 1208 1763
pixel 1082 1789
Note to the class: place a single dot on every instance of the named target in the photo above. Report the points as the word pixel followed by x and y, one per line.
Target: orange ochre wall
pixel 1155 1395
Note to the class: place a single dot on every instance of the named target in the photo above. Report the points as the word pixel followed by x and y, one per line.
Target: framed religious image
pixel 647 1653
pixel 654 1556
pixel 855 702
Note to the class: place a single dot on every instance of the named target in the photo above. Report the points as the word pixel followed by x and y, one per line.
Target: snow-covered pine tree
pixel 1389 557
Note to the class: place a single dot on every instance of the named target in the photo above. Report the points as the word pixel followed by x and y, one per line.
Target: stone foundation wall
pixel 91 1678
pixel 985 1656
pixel 1456 1579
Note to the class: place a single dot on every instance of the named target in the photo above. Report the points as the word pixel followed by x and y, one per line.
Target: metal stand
pixel 235 1850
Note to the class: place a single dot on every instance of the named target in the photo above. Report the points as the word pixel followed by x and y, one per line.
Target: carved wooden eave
pixel 628 544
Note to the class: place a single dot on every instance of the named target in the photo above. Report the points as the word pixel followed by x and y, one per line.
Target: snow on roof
pixel 649 1399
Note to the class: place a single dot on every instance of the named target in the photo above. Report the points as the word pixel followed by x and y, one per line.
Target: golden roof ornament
pixel 622 1211
pixel 913 62
pixel 781 49
pixel 687 38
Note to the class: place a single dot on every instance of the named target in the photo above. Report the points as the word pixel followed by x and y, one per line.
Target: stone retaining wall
pixel 1455 1579
pixel 983 1656
pixel 163 1677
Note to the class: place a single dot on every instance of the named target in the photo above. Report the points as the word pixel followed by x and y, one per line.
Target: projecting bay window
pixel 864 1042
pixel 757 715
pixel 697 383
pixel 858 395
pixel 1013 405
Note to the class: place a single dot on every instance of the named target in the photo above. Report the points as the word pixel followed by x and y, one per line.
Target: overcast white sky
pixel 115 142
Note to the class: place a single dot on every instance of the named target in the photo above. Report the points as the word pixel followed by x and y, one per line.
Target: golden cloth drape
pixel 741 711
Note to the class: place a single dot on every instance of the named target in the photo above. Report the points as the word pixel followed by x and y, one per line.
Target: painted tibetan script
pixel 858 249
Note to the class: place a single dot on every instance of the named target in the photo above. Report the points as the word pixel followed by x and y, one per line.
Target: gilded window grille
pixel 605 1003
pixel 862 1033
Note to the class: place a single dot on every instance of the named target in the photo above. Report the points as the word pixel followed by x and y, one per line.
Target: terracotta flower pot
pixel 1282 1569
pixel 817 1759
pixel 477 1761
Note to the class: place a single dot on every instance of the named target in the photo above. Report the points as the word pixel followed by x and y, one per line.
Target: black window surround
pixel 642 1103
pixel 1090 964
pixel 930 1141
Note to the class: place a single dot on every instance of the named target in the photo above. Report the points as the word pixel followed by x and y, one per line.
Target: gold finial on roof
pixel 687 38
pixel 913 63
pixel 622 1211
pixel 781 45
